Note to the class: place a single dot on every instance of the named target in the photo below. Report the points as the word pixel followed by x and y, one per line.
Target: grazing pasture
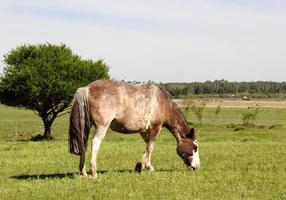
pixel 236 162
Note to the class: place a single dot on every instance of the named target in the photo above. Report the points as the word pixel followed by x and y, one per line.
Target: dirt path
pixel 224 103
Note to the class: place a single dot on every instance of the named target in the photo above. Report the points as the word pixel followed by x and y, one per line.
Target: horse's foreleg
pixel 96 141
pixel 146 159
pixel 149 138
pixel 148 154
pixel 82 165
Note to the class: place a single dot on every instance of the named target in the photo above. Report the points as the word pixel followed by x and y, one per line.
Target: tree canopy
pixel 44 78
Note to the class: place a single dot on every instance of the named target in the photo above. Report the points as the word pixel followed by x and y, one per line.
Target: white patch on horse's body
pixel 138 106
pixel 96 142
pixel 152 111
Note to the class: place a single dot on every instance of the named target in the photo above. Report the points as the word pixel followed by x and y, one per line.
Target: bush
pixel 198 111
pixel 248 118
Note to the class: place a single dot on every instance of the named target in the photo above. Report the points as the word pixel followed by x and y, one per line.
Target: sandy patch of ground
pixel 225 103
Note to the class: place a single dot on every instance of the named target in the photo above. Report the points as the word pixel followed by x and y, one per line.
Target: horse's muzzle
pixel 191 168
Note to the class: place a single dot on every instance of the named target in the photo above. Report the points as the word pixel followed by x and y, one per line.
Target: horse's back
pixel 123 93
pixel 129 108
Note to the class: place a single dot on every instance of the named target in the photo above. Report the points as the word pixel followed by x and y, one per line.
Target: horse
pixel 125 108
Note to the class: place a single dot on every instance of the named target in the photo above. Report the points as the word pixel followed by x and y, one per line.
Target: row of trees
pixel 221 87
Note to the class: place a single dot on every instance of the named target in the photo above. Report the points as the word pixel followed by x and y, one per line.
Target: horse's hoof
pixel 83 174
pixel 138 167
pixel 150 168
pixel 92 177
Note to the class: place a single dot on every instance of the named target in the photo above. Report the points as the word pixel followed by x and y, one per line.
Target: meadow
pixel 237 162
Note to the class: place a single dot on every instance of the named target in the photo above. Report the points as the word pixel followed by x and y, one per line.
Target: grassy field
pixel 243 163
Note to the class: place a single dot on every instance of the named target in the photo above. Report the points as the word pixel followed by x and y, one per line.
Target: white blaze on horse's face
pixel 188 150
pixel 195 164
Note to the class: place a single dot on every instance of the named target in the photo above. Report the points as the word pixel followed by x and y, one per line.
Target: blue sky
pixel 178 40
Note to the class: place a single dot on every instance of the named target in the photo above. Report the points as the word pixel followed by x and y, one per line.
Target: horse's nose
pixel 191 168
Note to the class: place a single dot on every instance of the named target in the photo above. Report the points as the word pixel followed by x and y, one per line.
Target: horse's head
pixel 188 150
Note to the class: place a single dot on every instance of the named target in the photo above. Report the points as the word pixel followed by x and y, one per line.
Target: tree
pixel 44 78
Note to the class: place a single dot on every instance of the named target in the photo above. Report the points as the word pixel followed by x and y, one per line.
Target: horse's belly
pixel 129 127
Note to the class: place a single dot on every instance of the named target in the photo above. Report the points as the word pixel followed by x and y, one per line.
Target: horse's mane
pixel 174 105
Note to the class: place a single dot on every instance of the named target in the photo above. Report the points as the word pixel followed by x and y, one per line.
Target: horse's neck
pixel 176 123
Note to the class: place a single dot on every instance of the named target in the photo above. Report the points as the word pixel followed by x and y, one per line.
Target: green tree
pixel 44 78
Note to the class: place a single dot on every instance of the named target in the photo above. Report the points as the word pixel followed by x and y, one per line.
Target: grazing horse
pixel 144 109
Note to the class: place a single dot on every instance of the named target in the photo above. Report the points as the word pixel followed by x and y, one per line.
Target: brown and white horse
pixel 144 109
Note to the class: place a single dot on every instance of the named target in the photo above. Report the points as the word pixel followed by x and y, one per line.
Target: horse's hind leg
pixel 100 133
pixel 82 165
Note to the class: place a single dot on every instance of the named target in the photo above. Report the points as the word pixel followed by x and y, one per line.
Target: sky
pixel 158 40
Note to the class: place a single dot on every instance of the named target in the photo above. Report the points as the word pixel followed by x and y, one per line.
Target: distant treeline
pixel 223 88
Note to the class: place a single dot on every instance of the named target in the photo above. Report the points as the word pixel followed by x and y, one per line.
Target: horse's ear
pixel 191 133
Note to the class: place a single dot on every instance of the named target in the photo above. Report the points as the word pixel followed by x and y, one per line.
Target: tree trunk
pixel 47 124
pixel 48 119
pixel 47 134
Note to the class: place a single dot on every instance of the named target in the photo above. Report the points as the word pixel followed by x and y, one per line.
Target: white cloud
pixel 159 40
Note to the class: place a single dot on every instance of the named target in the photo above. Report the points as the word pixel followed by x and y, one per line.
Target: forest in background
pixel 225 89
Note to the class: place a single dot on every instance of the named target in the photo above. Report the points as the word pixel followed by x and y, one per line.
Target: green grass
pixel 243 164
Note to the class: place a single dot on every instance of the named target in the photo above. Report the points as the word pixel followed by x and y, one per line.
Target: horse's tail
pixel 79 122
